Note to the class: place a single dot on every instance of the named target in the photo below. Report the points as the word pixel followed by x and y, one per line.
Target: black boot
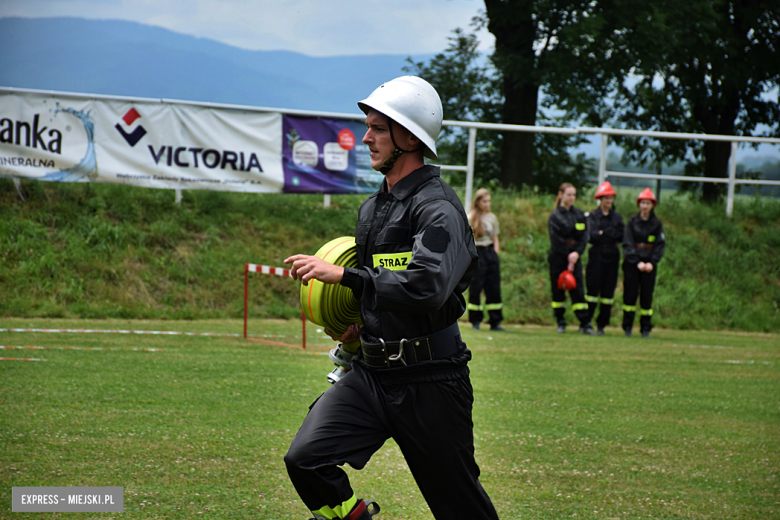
pixel 561 327
pixel 364 510
pixel 587 328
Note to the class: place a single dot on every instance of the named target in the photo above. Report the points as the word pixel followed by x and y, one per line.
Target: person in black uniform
pixel 411 379
pixel 605 230
pixel 488 275
pixel 568 238
pixel 643 247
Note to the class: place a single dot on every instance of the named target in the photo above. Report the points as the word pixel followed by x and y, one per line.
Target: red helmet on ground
pixel 647 194
pixel 566 281
pixel 604 190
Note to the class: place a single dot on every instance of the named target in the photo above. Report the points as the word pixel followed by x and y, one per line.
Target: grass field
pixel 681 425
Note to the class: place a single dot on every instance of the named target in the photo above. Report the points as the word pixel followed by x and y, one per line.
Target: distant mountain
pixel 131 59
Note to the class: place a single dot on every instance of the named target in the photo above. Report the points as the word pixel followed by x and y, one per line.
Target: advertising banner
pixel 43 139
pixel 159 145
pixel 62 138
pixel 327 156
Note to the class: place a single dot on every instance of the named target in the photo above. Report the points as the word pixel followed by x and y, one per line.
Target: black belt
pixel 383 354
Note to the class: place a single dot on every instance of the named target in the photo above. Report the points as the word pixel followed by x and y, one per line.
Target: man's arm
pixel 307 267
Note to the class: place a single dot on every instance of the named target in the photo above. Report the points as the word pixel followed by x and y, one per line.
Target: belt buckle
pixel 395 357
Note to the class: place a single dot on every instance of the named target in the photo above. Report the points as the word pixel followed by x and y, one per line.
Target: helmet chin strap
pixel 397 152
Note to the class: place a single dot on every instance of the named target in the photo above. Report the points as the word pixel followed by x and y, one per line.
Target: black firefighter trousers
pixel 642 284
pixel 601 277
pixel 488 278
pixel 430 422
pixel 558 264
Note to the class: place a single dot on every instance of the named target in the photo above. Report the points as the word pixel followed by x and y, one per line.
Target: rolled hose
pixel 333 306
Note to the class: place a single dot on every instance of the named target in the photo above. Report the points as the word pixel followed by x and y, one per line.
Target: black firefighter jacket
pixel 606 235
pixel 568 232
pixel 644 240
pixel 416 256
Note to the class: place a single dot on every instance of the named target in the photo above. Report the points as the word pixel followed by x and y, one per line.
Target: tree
pixel 468 87
pixel 538 42
pixel 702 66
pixel 471 90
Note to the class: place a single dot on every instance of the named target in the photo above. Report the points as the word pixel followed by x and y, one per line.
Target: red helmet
pixel 647 194
pixel 604 190
pixel 566 281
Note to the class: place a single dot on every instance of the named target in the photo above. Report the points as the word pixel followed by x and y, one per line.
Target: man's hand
pixel 352 334
pixel 305 267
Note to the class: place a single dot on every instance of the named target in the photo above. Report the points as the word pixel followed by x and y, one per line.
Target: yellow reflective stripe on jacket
pixel 340 511
pixel 579 306
pixel 579 226
pixel 558 305
pixel 645 312
pixel 651 239
pixel 493 306
pixel 473 307
pixel 629 308
pixel 393 261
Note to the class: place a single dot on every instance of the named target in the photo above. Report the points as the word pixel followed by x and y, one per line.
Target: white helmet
pixel 414 104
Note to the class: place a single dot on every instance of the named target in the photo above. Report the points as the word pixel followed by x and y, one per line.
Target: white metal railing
pixel 731 180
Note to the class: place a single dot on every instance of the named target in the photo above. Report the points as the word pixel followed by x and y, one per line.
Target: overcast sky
pixel 313 27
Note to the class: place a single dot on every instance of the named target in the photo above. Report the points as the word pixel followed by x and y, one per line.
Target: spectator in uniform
pixel 410 381
pixel 488 275
pixel 643 248
pixel 605 230
pixel 568 238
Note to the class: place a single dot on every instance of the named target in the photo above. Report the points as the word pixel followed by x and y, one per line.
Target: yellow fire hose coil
pixel 332 305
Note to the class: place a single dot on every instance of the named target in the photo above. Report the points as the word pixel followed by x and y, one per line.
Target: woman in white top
pixel 488 274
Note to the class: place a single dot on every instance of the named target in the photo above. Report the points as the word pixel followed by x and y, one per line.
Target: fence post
pixel 246 293
pixel 603 160
pixel 470 167
pixel 326 201
pixel 732 178
pixel 178 197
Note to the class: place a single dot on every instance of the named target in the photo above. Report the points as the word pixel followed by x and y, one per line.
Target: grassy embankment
pixel 104 251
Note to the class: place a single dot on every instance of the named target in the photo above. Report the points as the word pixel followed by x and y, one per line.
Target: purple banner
pixel 322 155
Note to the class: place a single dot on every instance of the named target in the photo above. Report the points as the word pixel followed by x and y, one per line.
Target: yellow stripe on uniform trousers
pixel 629 308
pixel 332 305
pixel 645 312
pixel 473 307
pixel 493 306
pixel 579 307
pixel 339 511
pixel 558 305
